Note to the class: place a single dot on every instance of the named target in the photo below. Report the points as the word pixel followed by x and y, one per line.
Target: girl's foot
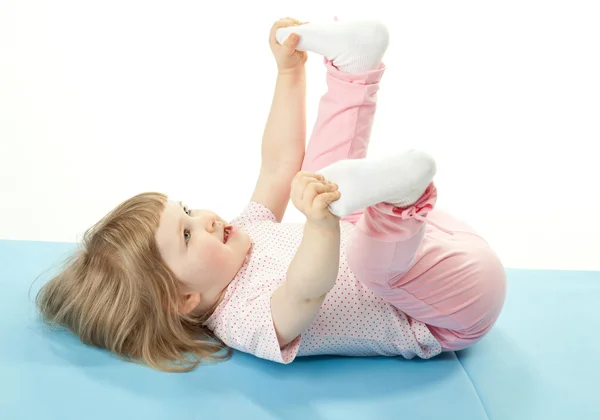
pixel 352 47
pixel 399 180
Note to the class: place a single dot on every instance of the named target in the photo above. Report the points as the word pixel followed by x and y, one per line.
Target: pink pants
pixel 453 282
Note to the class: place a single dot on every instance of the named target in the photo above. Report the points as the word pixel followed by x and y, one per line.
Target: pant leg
pixel 344 121
pixel 454 283
pixel 385 241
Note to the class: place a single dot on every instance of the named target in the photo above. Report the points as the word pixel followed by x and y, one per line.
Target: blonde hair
pixel 116 292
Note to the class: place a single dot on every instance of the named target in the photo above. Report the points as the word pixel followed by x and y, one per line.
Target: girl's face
pixel 203 251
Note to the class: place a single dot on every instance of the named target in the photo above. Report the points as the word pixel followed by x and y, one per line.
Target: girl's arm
pixel 314 269
pixel 284 141
pixel 310 277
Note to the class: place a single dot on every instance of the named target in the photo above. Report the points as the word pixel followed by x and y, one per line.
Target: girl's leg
pixel 344 121
pixel 345 118
pixel 385 241
pixel 353 54
pixel 454 283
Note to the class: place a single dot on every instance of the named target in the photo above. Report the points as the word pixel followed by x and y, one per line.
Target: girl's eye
pixel 187 236
pixel 187 211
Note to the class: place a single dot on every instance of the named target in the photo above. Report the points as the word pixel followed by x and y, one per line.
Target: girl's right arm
pixel 310 277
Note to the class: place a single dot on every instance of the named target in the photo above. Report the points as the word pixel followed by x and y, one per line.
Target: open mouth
pixel 227 233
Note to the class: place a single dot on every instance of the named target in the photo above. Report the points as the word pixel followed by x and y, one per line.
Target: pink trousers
pixel 448 278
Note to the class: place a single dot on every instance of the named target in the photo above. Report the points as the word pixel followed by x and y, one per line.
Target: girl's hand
pixel 312 194
pixel 286 56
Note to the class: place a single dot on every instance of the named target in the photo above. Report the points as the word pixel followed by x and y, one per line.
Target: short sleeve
pixel 247 325
pixel 254 212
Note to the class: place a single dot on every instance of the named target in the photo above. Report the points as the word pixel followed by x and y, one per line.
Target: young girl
pixel 375 270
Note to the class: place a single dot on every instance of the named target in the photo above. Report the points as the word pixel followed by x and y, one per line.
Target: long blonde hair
pixel 116 292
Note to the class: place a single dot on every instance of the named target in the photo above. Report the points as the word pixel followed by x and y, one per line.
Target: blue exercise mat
pixel 516 373
pixel 540 362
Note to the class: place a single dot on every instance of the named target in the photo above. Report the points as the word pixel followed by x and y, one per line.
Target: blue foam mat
pixel 541 360
pixel 48 374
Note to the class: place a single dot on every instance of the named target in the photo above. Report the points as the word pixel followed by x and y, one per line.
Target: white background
pixel 102 100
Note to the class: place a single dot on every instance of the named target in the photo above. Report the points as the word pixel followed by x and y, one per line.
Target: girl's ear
pixel 189 302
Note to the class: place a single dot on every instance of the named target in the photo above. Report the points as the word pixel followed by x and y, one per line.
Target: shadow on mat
pixel 295 391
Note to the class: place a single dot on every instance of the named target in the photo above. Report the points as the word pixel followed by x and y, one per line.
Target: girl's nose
pixel 211 223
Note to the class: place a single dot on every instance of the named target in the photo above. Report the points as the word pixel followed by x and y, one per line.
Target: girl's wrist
pixel 295 72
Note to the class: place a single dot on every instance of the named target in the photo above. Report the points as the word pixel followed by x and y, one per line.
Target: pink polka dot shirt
pixel 352 321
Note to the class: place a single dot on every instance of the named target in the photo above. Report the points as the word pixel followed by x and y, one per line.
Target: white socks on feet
pixel 353 47
pixel 399 180
pixel 356 48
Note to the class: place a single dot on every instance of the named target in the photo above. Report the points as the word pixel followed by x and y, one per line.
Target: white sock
pixel 399 180
pixel 353 47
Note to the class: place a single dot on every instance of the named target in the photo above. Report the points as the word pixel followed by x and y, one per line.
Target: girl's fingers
pixel 303 174
pixel 312 190
pixel 304 181
pixel 324 200
pixel 295 21
pixel 277 25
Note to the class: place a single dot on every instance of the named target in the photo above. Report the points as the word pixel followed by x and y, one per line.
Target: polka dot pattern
pixel 352 321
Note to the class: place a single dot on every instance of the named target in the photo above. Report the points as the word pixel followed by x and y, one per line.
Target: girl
pixel 375 270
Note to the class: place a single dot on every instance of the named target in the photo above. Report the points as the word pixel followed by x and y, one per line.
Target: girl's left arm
pixel 283 143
